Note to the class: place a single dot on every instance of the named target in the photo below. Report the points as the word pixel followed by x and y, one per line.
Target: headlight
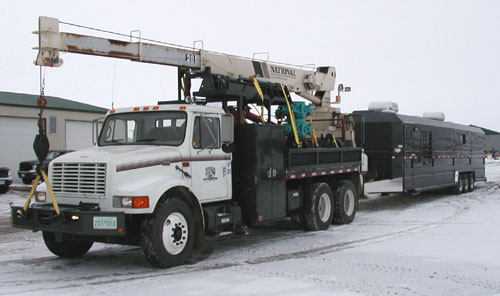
pixel 136 202
pixel 40 196
pixel 8 173
pixel 33 167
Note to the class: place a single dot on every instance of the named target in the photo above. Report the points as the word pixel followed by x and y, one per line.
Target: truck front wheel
pixel 167 236
pixel 67 247
pixel 318 212
pixel 346 202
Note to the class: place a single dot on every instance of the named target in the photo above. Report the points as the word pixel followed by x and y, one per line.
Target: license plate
pixel 2 182
pixel 105 222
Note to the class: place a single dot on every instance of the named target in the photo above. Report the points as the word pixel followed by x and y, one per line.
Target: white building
pixel 69 126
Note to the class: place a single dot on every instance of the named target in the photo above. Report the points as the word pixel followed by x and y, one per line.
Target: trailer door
pixel 408 155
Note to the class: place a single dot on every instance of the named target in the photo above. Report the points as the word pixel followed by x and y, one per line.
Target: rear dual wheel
pixel 324 207
pixel 346 202
pixel 318 212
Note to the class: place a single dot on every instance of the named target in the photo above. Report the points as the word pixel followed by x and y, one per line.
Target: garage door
pixel 17 135
pixel 78 135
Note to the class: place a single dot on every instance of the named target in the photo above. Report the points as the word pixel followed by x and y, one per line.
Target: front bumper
pixel 5 181
pixel 89 222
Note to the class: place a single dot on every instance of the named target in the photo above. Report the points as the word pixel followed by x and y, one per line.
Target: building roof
pixel 55 103
pixel 487 131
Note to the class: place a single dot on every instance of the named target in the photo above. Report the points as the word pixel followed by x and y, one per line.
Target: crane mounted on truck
pixel 164 176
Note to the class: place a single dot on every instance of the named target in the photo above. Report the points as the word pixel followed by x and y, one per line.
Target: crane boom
pixel 314 85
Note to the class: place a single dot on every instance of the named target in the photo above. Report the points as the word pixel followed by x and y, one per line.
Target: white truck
pixel 164 176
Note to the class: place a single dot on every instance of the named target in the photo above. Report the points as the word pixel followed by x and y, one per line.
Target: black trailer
pixel 412 154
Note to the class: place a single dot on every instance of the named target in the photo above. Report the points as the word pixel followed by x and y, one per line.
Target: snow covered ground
pixel 432 244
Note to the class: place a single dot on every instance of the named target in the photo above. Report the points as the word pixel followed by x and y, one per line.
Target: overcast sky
pixel 424 55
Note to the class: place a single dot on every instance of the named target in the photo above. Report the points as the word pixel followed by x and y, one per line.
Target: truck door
pixel 210 166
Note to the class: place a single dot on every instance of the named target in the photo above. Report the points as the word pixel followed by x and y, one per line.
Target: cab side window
pixel 206 133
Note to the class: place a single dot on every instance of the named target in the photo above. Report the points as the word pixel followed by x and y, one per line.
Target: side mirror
pixel 340 87
pixel 95 130
pixel 227 132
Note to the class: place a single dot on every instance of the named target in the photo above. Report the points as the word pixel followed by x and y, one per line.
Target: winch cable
pixel 41 147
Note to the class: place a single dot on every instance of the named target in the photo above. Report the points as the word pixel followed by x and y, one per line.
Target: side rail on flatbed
pixel 310 162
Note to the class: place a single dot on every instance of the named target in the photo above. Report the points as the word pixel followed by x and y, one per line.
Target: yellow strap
pixel 261 95
pixel 183 82
pixel 292 118
pixel 33 189
pixel 314 139
pixel 51 193
pixel 335 141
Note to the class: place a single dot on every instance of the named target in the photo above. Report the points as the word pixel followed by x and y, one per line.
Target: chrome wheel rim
pixel 349 202
pixel 325 207
pixel 175 233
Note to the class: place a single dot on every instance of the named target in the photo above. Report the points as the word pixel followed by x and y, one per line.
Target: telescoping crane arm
pixel 313 85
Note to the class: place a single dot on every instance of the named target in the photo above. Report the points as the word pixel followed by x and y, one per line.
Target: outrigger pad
pixel 41 146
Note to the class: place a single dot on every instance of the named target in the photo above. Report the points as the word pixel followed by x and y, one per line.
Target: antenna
pixel 113 90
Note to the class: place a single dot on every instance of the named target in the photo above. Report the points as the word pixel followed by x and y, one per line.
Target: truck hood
pixel 122 155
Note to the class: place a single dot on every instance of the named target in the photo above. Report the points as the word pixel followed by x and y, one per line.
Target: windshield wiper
pixel 117 141
pixel 146 140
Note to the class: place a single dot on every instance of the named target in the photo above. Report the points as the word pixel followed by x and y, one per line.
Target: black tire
pixel 459 188
pixel 27 180
pixel 472 183
pixel 180 237
pixel 346 202
pixel 68 247
pixel 318 211
pixel 4 188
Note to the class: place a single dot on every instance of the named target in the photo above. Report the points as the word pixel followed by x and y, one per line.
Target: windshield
pixel 144 128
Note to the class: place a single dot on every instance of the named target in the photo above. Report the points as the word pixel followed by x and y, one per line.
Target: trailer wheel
pixel 167 236
pixel 346 202
pixel 466 183
pixel 67 248
pixel 472 184
pixel 318 212
pixel 459 188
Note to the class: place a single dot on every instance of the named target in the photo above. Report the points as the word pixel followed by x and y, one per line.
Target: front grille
pixel 4 173
pixel 79 178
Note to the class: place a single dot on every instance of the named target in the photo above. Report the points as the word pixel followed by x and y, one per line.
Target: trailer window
pixel 206 133
pixel 409 134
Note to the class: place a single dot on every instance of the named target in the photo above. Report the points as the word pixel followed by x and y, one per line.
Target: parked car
pixel 5 179
pixel 27 169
